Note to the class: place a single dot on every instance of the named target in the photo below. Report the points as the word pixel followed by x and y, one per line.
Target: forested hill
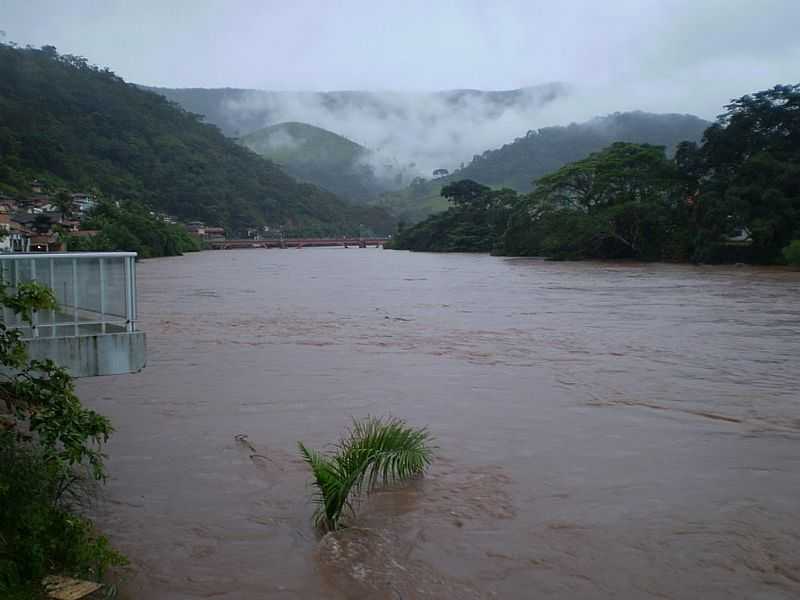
pixel 318 156
pixel 63 119
pixel 516 165
pixel 542 151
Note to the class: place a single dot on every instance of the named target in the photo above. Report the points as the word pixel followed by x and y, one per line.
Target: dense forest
pixel 542 151
pixel 65 121
pixel 735 196
pixel 516 165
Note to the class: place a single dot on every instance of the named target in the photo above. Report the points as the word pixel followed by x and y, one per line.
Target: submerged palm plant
pixel 375 452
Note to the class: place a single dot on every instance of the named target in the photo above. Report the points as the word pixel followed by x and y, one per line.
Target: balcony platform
pixel 93 355
pixel 93 330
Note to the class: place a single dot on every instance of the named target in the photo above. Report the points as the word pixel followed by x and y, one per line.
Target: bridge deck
pixel 297 243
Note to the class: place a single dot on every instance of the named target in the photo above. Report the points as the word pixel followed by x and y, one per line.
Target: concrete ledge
pixel 92 355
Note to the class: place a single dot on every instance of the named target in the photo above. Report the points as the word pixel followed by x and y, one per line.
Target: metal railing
pixel 95 292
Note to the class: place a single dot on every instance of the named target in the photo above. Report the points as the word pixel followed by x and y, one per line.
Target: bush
pixel 50 445
pixel 40 534
pixel 130 227
pixel 792 253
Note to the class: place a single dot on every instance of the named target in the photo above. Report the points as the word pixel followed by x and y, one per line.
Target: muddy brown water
pixel 603 430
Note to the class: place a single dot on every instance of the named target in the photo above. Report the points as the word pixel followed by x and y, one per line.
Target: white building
pixel 83 203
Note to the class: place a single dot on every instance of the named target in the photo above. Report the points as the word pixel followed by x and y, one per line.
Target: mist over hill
pixel 407 133
pixel 321 157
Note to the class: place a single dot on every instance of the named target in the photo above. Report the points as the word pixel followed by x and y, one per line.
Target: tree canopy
pixel 733 197
pixel 746 174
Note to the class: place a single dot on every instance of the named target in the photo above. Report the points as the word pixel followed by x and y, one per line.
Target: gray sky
pixel 677 55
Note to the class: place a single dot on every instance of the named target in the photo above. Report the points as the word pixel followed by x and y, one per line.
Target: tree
pixel 464 193
pixel 67 121
pixel 792 253
pixel 624 201
pixel 474 222
pixel 48 443
pixel 63 201
pixel 41 223
pixel 747 174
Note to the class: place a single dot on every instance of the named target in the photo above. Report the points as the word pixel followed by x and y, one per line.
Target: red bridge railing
pixel 297 243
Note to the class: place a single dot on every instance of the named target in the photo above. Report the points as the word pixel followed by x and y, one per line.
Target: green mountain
pixel 318 156
pixel 64 120
pixel 516 165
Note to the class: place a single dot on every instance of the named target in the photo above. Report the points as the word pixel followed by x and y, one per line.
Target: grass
pixel 375 452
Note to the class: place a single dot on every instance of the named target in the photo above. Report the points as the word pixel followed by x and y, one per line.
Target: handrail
pixel 94 290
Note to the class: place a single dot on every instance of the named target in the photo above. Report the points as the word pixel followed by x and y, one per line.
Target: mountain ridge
pixel 86 127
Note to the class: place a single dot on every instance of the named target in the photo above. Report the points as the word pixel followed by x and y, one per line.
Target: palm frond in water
pixel 375 452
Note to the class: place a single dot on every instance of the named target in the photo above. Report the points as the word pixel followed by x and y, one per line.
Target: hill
pixel 318 156
pixel 517 164
pixel 64 120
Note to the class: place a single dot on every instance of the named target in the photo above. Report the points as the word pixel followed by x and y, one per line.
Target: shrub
pixel 792 253
pixel 49 445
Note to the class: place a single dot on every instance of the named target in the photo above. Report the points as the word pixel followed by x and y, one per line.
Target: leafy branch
pixel 375 452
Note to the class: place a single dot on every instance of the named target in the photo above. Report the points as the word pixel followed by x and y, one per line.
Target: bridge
pixel 297 243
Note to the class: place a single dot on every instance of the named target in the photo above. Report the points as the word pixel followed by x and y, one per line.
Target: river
pixel 603 430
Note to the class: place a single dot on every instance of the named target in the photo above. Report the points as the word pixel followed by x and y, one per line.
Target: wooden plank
pixel 66 588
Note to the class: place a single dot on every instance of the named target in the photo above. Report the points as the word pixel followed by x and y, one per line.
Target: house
pixel 47 242
pixel 741 236
pixel 82 203
pixel 205 232
pixel 197 228
pixel 19 237
pixel 164 218
pixel 214 233
pixel 36 204
pixel 41 222
pixel 5 232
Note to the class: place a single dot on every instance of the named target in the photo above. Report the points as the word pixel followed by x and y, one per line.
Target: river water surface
pixel 603 430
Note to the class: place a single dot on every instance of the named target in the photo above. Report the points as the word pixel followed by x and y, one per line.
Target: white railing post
pixel 101 266
pixel 35 314
pixel 134 313
pixel 3 282
pixel 75 315
pixel 130 299
pixel 53 288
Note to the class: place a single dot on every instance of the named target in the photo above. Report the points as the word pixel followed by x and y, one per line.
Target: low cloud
pixel 408 133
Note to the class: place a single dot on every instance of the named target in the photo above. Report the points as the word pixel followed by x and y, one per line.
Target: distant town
pixel 43 221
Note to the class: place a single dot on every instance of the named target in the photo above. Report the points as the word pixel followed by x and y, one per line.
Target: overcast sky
pixel 682 55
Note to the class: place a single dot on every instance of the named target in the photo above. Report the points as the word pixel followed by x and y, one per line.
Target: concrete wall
pixel 92 355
